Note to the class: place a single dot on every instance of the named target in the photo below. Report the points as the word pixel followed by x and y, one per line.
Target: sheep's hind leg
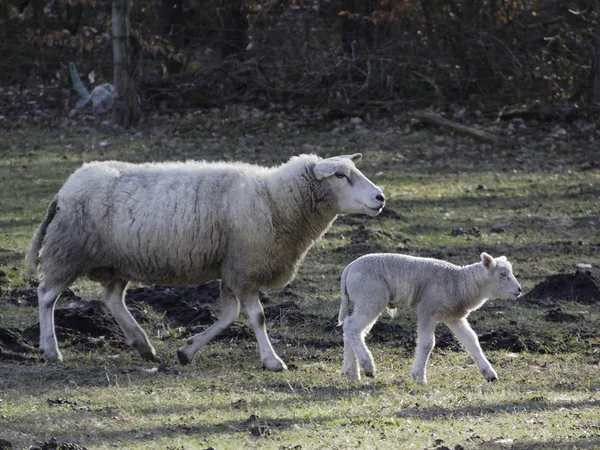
pixel 257 318
pixel 114 299
pixel 230 310
pixel 356 327
pixel 47 296
pixel 465 334
pixel 350 361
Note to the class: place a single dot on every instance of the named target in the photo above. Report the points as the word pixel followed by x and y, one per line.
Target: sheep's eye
pixel 340 175
pixel 504 274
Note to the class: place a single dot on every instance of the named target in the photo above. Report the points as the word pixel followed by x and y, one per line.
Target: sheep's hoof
pixel 146 351
pixel 490 375
pixel 274 365
pixel 49 355
pixel 149 356
pixel 183 357
pixel 491 379
pixel 370 374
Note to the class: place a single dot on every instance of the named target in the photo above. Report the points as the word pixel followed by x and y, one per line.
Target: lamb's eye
pixel 504 275
pixel 340 175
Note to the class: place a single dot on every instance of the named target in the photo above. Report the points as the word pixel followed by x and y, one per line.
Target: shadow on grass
pixel 191 426
pixel 521 406
pixel 565 444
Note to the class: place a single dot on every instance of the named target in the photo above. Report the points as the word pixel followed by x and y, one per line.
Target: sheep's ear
pixel 488 261
pixel 502 258
pixel 325 168
pixel 354 158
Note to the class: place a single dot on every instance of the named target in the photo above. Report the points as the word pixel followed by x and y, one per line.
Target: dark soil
pixel 581 287
pixel 28 297
pixel 13 345
pixel 286 313
pixel 182 305
pixel 53 444
pixel 92 322
pixel 558 315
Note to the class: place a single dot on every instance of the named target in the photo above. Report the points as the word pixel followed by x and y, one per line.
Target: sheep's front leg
pixel 425 343
pixel 114 299
pixel 257 318
pixel 230 311
pixel 47 297
pixel 465 334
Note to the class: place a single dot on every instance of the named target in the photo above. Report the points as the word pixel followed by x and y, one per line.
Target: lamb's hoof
pixel 352 375
pixel 274 365
pixel 418 378
pixel 370 374
pixel 183 357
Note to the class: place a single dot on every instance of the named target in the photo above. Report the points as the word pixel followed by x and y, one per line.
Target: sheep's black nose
pixel 380 198
pixel 519 288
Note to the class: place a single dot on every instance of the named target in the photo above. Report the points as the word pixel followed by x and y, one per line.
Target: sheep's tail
pixel 345 299
pixel 33 253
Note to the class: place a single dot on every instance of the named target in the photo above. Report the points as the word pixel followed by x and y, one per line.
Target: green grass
pixel 544 196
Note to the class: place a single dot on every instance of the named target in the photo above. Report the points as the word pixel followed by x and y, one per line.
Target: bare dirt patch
pixel 581 287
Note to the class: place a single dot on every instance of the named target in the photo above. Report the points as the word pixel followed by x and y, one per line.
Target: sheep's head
pixel 503 283
pixel 354 193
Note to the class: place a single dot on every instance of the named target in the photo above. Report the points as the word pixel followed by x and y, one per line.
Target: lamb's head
pixel 353 192
pixel 501 281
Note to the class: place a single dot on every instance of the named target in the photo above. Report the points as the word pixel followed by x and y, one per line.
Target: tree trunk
pixel 232 14
pixel 126 110
pixel 595 93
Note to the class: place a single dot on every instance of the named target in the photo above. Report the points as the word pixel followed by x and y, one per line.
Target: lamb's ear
pixel 501 258
pixel 488 261
pixel 325 168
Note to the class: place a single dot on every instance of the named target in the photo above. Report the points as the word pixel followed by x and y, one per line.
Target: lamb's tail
pixel 33 253
pixel 345 299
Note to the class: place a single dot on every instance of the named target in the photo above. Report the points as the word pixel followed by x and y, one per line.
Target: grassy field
pixel 536 200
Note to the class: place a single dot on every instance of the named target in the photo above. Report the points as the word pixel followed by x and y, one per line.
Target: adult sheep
pixel 438 290
pixel 182 223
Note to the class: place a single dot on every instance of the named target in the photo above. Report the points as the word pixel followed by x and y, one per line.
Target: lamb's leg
pixel 256 315
pixel 425 343
pixel 47 296
pixel 230 310
pixel 350 361
pixel 356 327
pixel 465 334
pixel 114 299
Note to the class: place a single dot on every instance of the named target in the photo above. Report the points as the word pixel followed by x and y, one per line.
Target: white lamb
pixel 438 290
pixel 180 223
